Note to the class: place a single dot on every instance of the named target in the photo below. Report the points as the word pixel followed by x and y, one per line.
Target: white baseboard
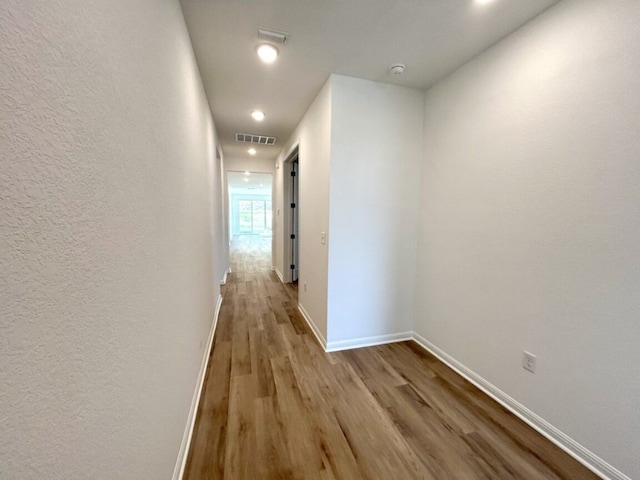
pixel 224 278
pixel 350 344
pixel 566 443
pixel 279 274
pixel 368 341
pixel 316 331
pixel 181 462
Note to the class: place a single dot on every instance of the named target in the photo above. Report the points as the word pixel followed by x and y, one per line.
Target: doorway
pixel 250 210
pixel 294 220
pixel 291 194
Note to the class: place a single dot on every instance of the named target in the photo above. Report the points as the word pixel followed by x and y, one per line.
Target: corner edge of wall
pixel 314 328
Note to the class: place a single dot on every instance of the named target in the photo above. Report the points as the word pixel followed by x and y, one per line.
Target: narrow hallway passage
pixel 276 406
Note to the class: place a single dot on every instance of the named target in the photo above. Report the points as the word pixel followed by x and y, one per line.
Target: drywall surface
pixel 530 221
pixel 276 222
pixel 221 222
pixel 106 287
pixel 250 164
pixel 376 151
pixel 313 134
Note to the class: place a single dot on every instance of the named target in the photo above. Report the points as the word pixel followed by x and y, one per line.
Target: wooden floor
pixel 275 406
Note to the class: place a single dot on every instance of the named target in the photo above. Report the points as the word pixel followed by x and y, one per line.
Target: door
pixel 294 220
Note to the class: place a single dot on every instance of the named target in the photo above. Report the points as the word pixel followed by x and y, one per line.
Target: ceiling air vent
pixel 259 139
pixel 272 36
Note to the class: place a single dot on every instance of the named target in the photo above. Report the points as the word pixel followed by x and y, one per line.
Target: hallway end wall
pixel 376 151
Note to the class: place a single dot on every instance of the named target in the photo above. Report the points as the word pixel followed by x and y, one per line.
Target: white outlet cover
pixel 529 361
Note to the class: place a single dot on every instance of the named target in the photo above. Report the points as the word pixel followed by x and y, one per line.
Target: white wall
pixel 314 136
pixel 106 287
pixel 376 147
pixel 278 224
pixel 222 219
pixel 530 221
pixel 250 164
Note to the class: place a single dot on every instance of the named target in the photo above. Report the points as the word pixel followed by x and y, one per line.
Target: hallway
pixel 275 406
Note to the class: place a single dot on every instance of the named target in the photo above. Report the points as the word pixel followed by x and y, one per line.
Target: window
pixel 254 216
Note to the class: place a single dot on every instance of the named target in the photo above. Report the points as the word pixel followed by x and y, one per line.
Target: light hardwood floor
pixel 276 406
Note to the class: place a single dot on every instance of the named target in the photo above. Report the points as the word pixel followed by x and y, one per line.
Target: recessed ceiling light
pixel 247 174
pixel 252 151
pixel 267 53
pixel 483 2
pixel 246 179
pixel 257 115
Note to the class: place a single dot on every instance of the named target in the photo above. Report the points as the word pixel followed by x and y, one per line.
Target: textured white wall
pixel 530 221
pixel 106 262
pixel 376 147
pixel 314 134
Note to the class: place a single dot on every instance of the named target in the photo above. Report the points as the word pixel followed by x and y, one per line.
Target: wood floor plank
pixel 380 449
pixel 261 365
pixel 241 442
pixel 306 459
pixel 275 406
pixel 241 356
pixel 443 454
pixel 208 460
pixel 272 459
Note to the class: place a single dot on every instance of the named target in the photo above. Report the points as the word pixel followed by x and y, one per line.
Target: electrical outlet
pixel 529 361
pixel 305 286
pixel 323 238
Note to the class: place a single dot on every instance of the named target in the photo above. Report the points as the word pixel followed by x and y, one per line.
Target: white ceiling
pixel 359 38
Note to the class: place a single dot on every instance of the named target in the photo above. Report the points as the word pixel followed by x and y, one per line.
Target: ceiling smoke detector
pixel 397 69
